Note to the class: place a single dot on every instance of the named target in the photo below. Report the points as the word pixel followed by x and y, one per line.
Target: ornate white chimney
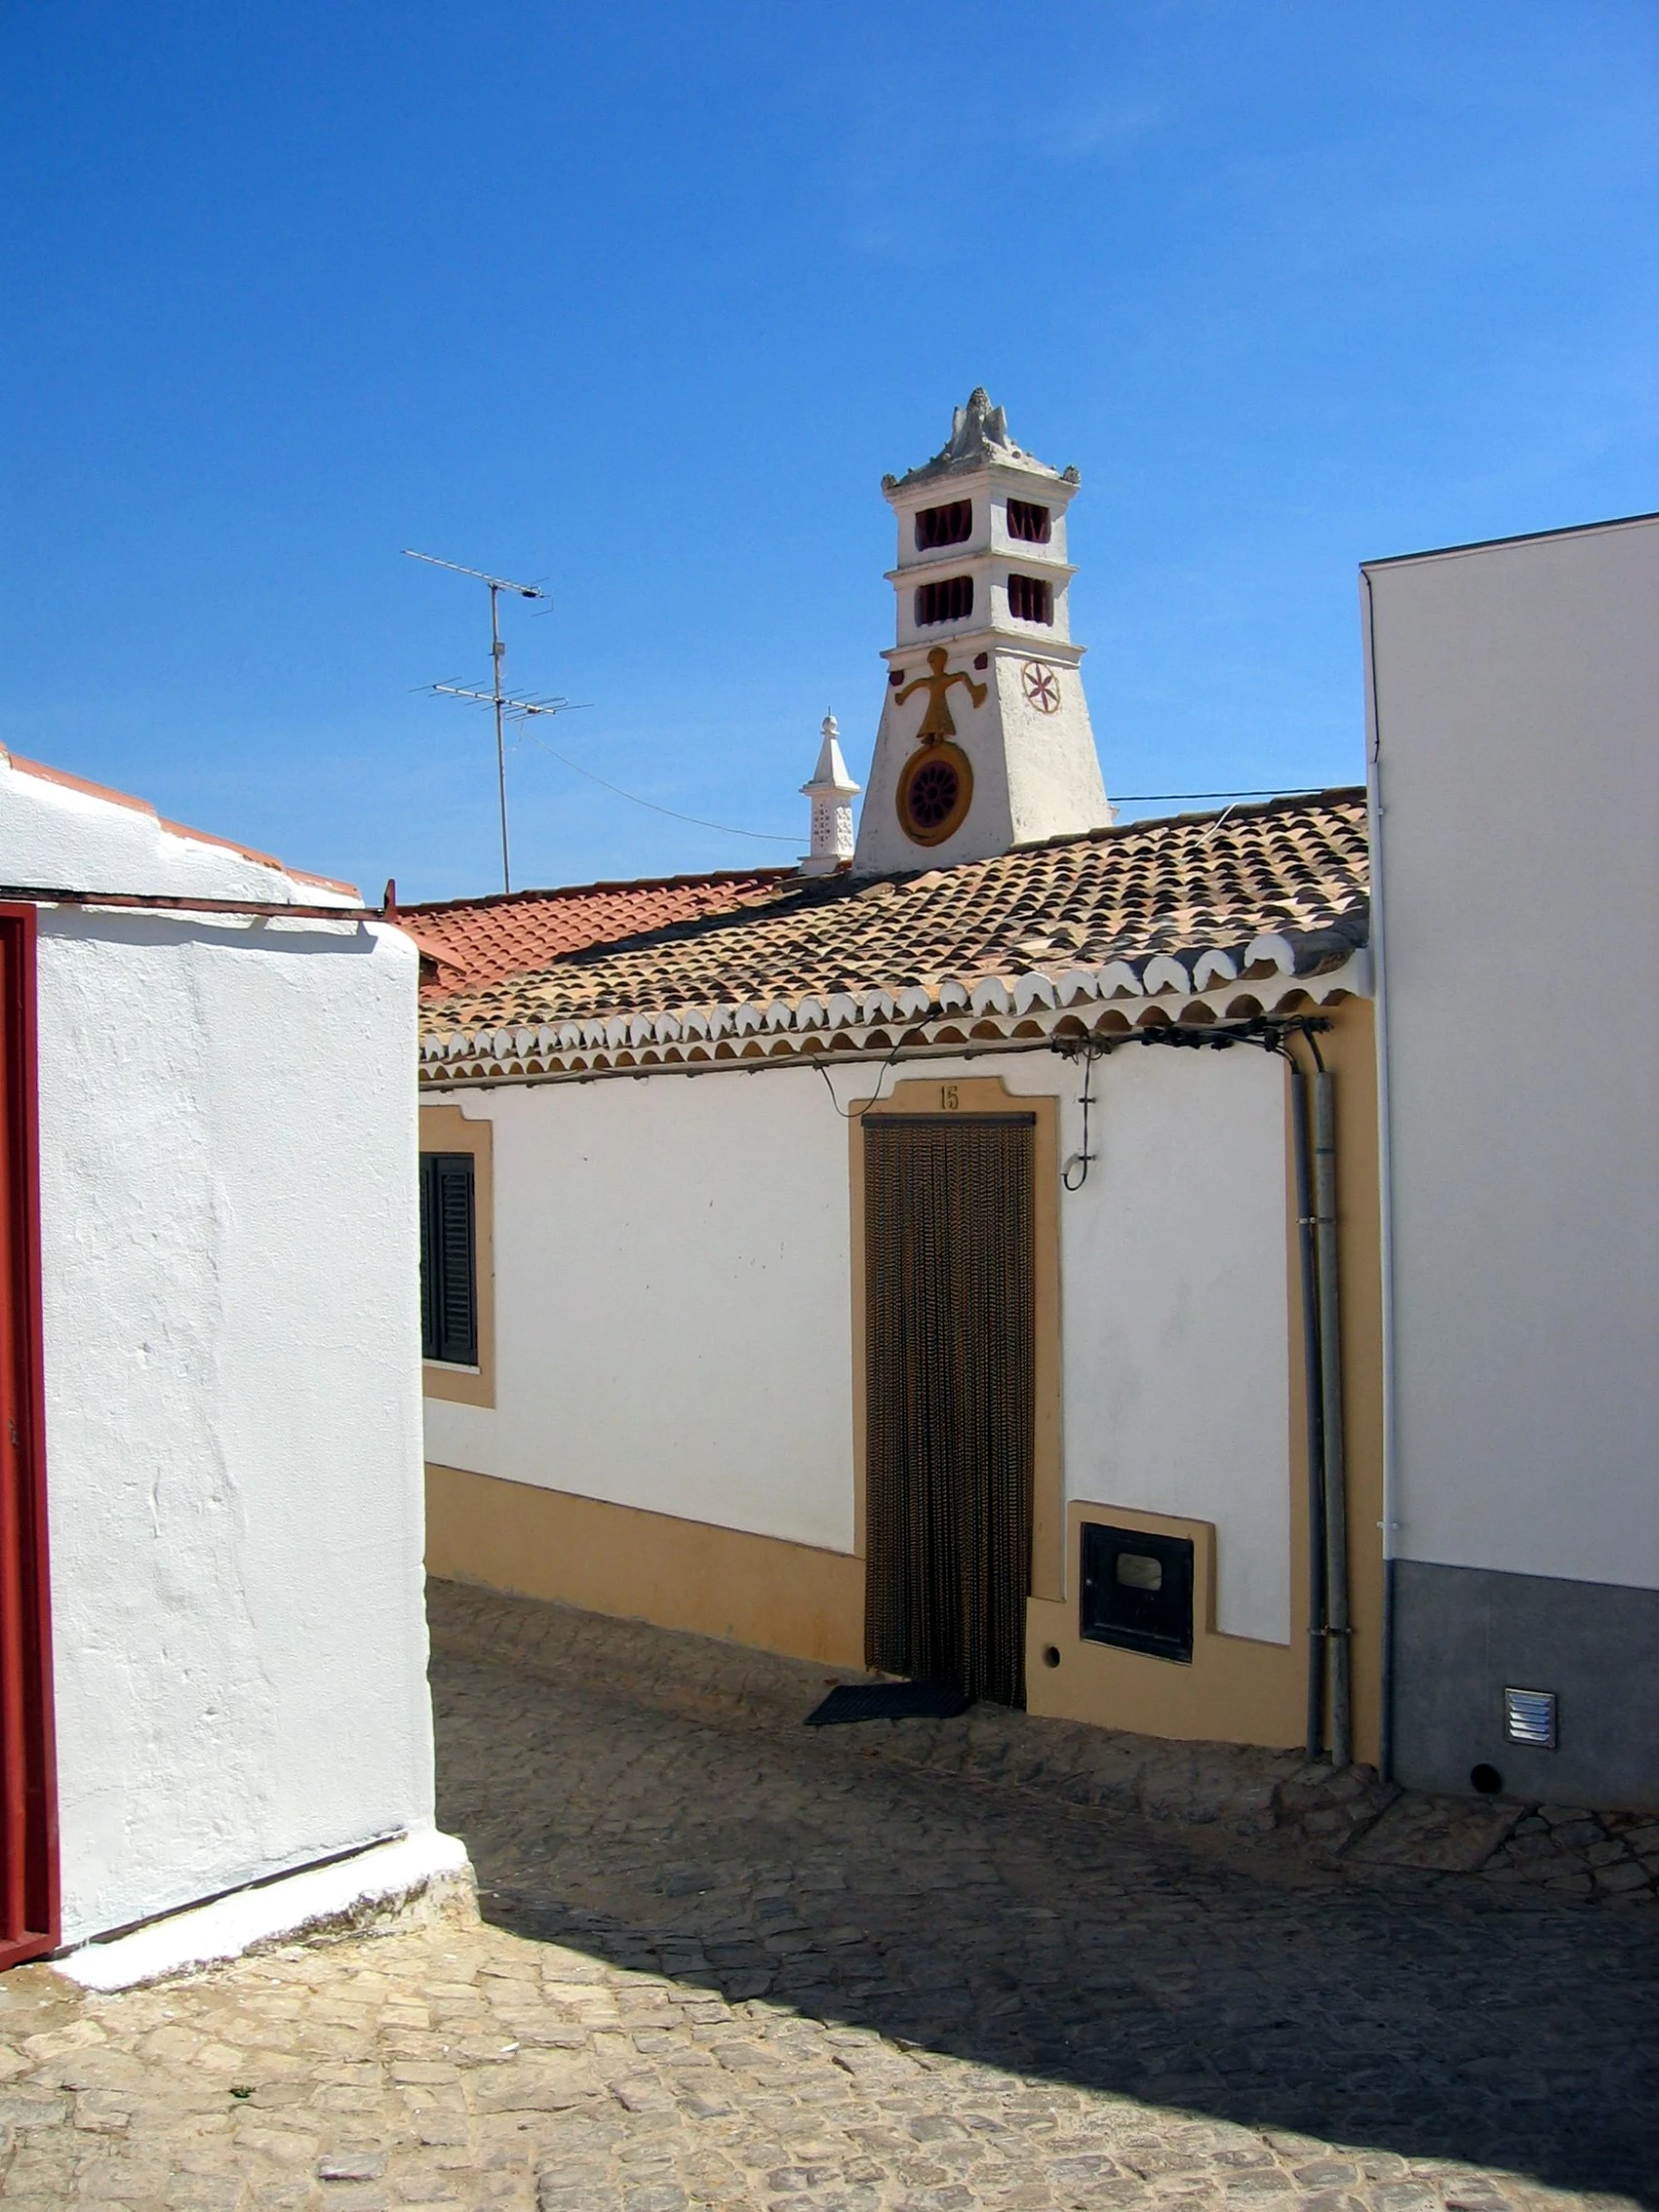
pixel 832 791
pixel 985 741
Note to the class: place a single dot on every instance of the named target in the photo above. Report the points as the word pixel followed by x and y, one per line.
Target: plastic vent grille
pixel 1529 1718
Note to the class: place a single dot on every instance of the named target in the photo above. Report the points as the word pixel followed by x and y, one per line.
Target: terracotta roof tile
pixel 479 942
pixel 1293 869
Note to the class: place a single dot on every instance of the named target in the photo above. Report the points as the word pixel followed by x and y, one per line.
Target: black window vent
pixel 1031 599
pixel 952 525
pixel 946 602
pixel 448 1262
pixel 1027 522
pixel 1137 1591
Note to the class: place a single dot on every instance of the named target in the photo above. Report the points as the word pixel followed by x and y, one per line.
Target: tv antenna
pixel 497 696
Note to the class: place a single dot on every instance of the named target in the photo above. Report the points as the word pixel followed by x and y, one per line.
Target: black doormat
pixel 889 1701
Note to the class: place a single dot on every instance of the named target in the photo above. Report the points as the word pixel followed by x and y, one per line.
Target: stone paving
pixel 1265 1797
pixel 736 1964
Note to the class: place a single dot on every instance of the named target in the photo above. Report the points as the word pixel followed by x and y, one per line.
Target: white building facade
pixel 710 1221
pixel 214 1646
pixel 667 1410
pixel 686 1147
pixel 1515 768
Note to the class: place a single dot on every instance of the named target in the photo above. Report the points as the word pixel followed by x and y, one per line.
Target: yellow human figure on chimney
pixel 936 722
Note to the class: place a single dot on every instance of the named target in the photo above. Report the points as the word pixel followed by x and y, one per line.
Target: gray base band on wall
pixel 1466 1636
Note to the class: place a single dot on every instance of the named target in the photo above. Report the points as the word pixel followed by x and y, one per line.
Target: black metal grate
pixel 950 1352
pixel 1137 1591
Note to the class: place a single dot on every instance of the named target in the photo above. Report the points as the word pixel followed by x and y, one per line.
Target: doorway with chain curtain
pixel 949 1365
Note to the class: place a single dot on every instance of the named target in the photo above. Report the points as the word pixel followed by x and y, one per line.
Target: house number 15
pixel 948 1101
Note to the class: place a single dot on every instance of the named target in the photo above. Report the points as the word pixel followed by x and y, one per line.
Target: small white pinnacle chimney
pixel 832 791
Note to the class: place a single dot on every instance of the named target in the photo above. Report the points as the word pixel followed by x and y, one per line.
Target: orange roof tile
pixel 479 942
pixel 1175 896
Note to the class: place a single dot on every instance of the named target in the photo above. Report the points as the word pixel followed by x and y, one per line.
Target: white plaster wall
pixel 62 836
pixel 1056 498
pixel 230 1261
pixel 1516 750
pixel 674 1301
pixel 1177 1317
pixel 1054 778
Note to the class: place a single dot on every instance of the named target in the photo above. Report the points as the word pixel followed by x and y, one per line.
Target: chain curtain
pixel 948 1244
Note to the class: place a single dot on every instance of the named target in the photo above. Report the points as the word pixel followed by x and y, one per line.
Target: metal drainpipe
pixel 1384 1162
pixel 1338 1630
pixel 1313 1391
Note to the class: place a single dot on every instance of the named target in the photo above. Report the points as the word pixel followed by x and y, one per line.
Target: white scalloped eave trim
pixel 1272 948
pixel 1162 975
pixel 1164 972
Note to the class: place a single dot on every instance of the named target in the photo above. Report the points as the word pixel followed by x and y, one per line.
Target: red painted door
pixel 28 1803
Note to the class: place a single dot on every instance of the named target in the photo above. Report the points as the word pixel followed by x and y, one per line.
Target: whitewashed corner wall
pixel 674 1302
pixel 231 1266
pixel 232 1337
pixel 62 835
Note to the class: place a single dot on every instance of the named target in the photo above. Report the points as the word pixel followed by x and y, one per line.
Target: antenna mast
pixel 496 697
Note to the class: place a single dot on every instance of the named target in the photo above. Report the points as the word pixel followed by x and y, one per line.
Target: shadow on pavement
pixel 1436 2020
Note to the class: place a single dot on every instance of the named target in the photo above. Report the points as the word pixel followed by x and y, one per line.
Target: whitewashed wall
pixel 1518 764
pixel 1177 1353
pixel 232 1348
pixel 59 833
pixel 674 1301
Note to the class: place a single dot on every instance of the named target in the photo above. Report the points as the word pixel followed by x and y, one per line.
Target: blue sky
pixel 643 300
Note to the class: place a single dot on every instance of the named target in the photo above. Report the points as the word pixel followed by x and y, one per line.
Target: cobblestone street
pixel 738 1962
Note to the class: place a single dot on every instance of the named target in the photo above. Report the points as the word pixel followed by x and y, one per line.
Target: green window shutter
pixel 428 1260
pixel 459 1303
pixel 449 1258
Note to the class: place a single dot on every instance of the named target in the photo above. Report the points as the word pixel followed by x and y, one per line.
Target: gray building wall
pixel 1463 1635
pixel 1513 713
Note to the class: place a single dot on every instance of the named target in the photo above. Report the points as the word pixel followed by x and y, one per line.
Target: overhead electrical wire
pixel 771 837
pixel 761 837
pixel 522 709
pixel 1274 791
